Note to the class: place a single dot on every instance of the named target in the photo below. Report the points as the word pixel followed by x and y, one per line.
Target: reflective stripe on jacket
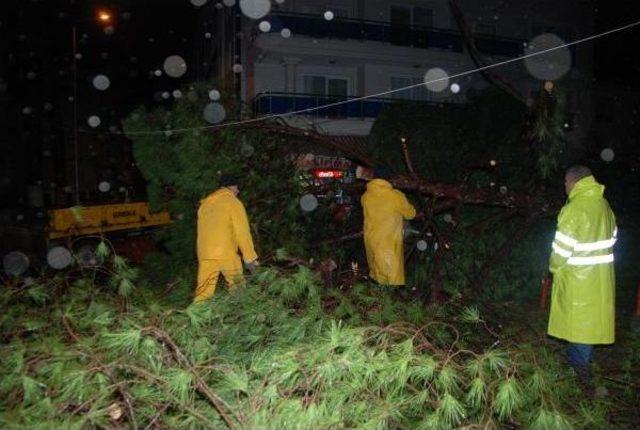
pixel 583 294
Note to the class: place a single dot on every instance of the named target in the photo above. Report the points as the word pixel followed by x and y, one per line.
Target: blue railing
pixel 279 103
pixel 378 31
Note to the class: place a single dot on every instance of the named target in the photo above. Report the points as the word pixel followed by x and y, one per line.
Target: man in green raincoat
pixel 583 292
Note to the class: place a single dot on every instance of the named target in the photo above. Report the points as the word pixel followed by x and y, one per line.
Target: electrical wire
pixel 388 92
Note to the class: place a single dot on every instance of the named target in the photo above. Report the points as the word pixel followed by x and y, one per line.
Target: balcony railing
pixel 280 103
pixel 378 31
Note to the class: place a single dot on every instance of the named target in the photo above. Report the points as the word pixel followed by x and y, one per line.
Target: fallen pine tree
pixel 463 166
pixel 79 352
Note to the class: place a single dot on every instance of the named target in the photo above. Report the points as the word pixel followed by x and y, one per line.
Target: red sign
pixel 326 174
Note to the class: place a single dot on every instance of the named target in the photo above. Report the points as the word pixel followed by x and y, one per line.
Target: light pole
pixel 104 17
pixel 76 188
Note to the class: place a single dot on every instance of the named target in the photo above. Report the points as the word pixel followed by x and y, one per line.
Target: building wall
pixel 270 77
pixel 379 10
pixel 511 18
pixel 372 10
pixel 369 66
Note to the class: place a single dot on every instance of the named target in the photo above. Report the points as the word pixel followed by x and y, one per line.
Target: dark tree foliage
pixel 449 142
pixel 492 141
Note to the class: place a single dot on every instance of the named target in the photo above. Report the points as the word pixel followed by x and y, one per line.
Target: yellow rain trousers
pixel 223 228
pixel 583 292
pixel 385 209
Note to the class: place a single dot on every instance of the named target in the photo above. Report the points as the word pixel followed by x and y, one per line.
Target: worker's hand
pixel 252 266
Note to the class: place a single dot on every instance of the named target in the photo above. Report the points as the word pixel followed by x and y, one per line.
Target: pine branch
pixel 218 403
pixel 156 417
pixel 407 157
pixel 74 337
pixel 119 385
pixel 126 397
pixel 157 380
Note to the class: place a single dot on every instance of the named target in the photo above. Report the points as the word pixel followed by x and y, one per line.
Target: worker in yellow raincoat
pixel 223 228
pixel 583 292
pixel 385 210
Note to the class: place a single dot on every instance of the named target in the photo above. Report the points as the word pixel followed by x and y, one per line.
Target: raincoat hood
pixel 587 188
pixel 385 209
pixel 377 185
pixel 218 194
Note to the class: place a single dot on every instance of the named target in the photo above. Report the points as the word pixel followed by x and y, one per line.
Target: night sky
pixel 37 73
pixel 37 79
pixel 616 56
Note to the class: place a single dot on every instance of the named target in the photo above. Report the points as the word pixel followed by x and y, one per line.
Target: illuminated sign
pixel 327 174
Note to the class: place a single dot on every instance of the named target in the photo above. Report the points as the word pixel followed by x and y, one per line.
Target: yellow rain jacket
pixel 223 228
pixel 385 209
pixel 583 292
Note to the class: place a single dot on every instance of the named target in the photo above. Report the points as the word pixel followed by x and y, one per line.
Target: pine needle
pixel 470 314
pixel 451 412
pixel 477 394
pixel 126 341
pixel 508 398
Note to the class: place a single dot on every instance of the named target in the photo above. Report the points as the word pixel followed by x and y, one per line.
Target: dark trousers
pixel 580 355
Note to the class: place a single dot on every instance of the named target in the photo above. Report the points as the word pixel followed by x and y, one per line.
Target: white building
pixel 369 47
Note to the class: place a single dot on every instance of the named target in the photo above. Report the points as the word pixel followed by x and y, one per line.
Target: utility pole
pixel 76 168
pixel 104 17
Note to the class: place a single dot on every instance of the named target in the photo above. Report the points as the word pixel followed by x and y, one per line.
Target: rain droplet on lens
pixel 94 121
pixel 101 82
pixel 255 9
pixel 607 155
pixel 308 202
pixel 436 79
pixel 175 66
pixel 264 26
pixel 214 113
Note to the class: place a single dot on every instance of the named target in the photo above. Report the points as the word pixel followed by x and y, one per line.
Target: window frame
pixel 327 77
pixel 413 96
pixel 411 7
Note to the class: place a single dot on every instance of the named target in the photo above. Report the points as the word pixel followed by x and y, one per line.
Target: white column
pixel 290 66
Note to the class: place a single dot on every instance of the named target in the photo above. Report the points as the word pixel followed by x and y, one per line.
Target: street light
pixel 104 17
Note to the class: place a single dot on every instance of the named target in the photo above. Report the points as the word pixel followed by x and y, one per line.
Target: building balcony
pixel 274 103
pixel 378 31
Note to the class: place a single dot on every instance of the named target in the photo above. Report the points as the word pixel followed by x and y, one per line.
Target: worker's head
pixel 230 182
pixel 573 175
pixel 381 172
